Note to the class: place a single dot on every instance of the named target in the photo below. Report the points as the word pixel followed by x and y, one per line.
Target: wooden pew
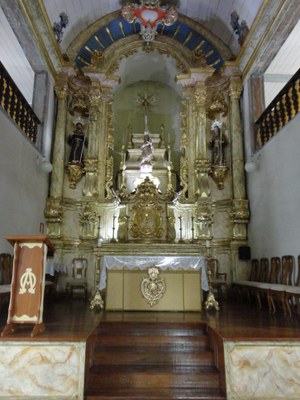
pixel 277 291
pixel 292 293
pixel 246 287
pixel 262 288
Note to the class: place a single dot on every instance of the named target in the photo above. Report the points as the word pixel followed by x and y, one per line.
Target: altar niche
pixel 146 215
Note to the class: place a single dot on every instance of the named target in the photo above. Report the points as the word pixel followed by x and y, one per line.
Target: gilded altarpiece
pixel 187 198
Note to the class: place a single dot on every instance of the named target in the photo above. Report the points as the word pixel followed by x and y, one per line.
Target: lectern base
pixel 10 328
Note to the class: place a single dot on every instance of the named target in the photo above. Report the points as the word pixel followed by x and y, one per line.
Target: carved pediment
pixel 147 192
pixel 148 213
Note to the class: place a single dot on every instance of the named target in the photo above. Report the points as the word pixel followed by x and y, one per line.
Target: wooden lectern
pixel 28 282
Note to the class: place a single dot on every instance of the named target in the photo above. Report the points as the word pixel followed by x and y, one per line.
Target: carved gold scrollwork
pixel 235 88
pixel 200 97
pixel 203 166
pixel 219 173
pixel 88 220
pixel 153 288
pixel 75 172
pixel 204 217
pixel 109 177
pixel 240 211
pixel 53 214
pixel 217 106
pixel 240 216
pixel 146 221
pixel 97 301
pixel 80 104
pixel 183 176
pixel 61 92
pixel 53 209
pixel 147 213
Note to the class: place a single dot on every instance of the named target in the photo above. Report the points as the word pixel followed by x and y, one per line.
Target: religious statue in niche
pixel 217 144
pixel 77 141
pixel 147 150
pixel 75 167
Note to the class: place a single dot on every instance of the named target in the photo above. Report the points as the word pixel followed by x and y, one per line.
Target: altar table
pixel 184 277
pixel 52 267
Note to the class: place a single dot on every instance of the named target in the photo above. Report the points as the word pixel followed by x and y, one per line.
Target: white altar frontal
pixel 153 283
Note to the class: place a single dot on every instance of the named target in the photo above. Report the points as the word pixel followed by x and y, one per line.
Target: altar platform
pixel 252 343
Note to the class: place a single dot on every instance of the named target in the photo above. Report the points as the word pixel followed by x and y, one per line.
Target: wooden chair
pixel 244 288
pixel 262 288
pixel 277 292
pixel 218 279
pixel 292 294
pixel 255 270
pixel 78 280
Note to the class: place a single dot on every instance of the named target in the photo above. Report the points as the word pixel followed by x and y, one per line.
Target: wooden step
pixel 158 394
pixel 141 376
pixel 153 341
pixel 151 329
pixel 151 360
pixel 168 355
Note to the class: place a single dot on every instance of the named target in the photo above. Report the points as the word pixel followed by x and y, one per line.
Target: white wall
pixel 14 59
pixel 274 195
pixel 23 187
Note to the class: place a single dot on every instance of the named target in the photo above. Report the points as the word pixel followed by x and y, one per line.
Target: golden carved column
pixel 188 168
pixel 109 146
pixel 59 143
pixel 53 211
pixel 240 211
pixel 202 163
pixel 91 160
pixel 105 140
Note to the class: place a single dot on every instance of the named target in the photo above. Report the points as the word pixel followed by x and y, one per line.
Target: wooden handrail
pixel 16 106
pixel 279 112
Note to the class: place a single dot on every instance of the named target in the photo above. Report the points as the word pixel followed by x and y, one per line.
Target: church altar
pixel 174 284
pixel 161 185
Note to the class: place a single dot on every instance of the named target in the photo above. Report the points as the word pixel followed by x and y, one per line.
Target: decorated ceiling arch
pixel 111 31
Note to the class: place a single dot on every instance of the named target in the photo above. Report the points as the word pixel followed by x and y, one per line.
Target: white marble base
pixel 42 370
pixel 262 370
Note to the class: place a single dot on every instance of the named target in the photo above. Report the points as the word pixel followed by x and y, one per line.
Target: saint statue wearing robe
pixel 77 142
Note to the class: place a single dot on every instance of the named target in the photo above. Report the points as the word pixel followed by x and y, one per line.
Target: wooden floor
pixel 72 319
pixel 110 337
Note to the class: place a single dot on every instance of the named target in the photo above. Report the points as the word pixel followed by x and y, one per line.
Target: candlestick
pixel 192 228
pixel 127 227
pixel 180 229
pixel 113 229
pixel 169 153
pixel 100 240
